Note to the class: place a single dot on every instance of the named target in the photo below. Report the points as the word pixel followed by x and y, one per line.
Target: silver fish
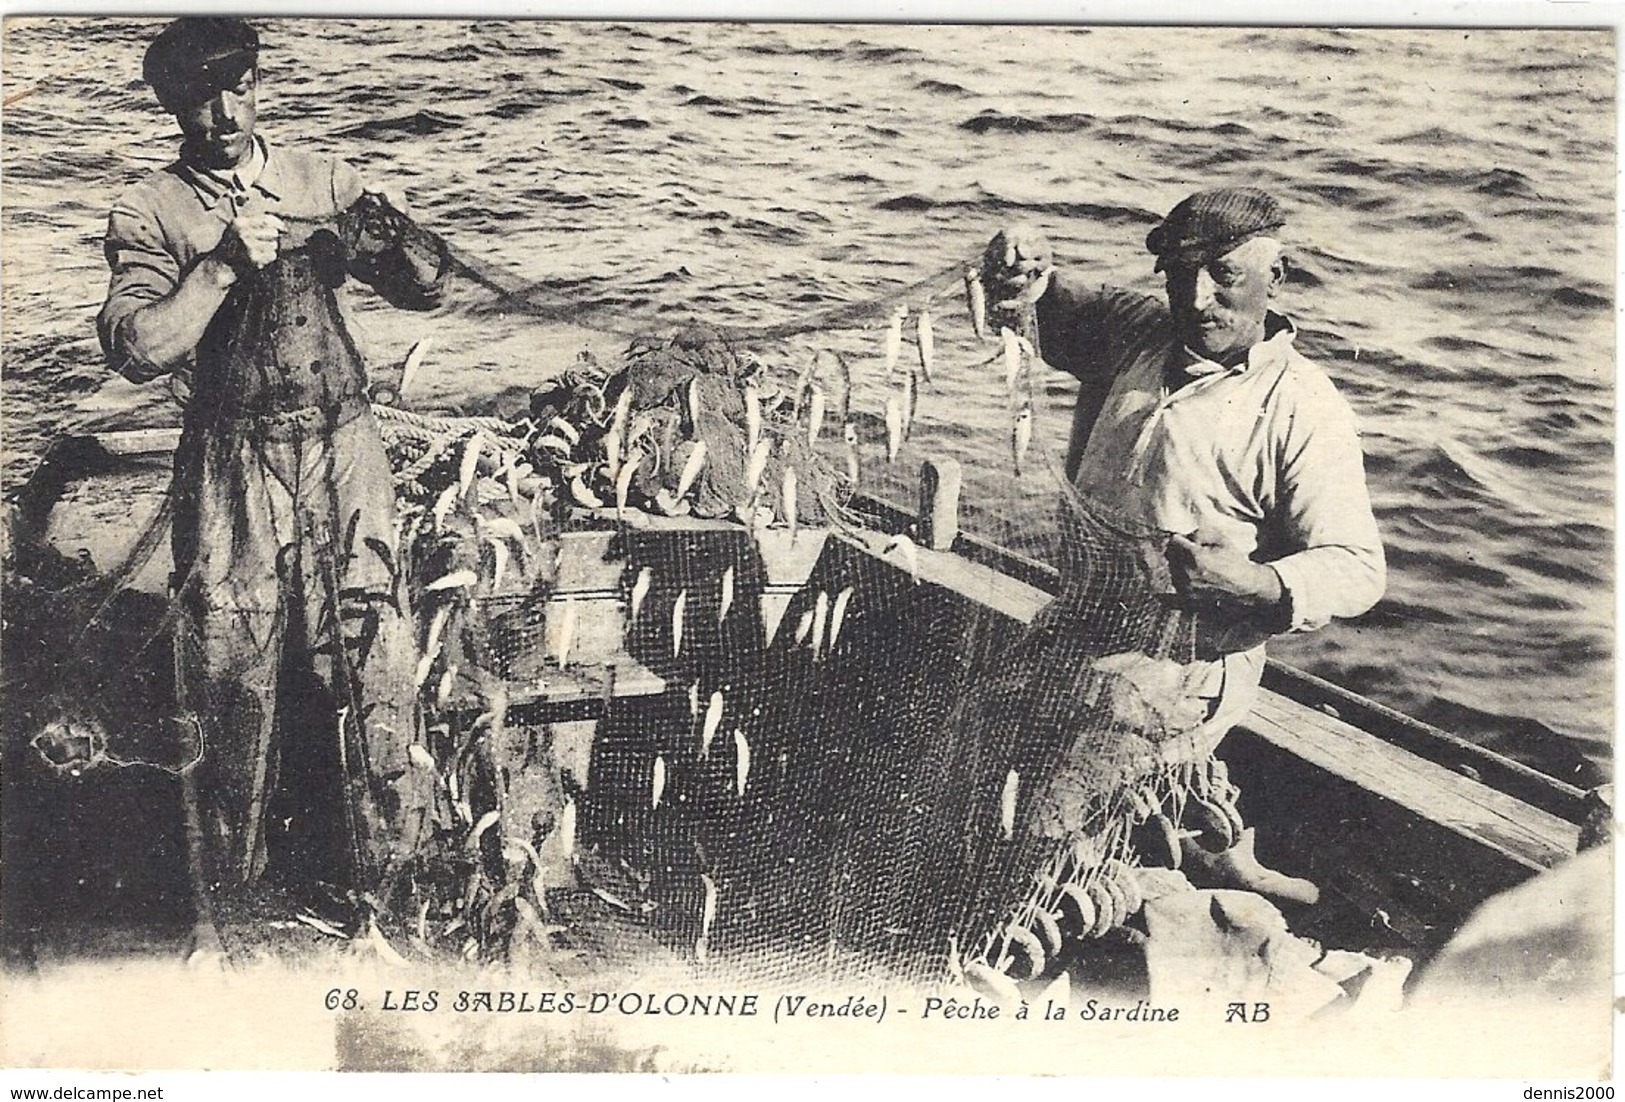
pixel 694 405
pixel 1007 805
pixel 1022 435
pixel 787 497
pixel 894 339
pixel 708 916
pixel 803 626
pixel 894 426
pixel 820 618
pixel 976 302
pixel 470 464
pixel 565 634
pixel 911 402
pixel 927 343
pixel 640 590
pixel 678 608
pixel 612 453
pixel 849 432
pixel 727 600
pixel 815 414
pixel 741 762
pixel 713 719
pixel 691 469
pixel 694 700
pixel 1012 357
pixel 837 615
pixel 753 418
pixel 623 483
pixel 754 467
pixel 904 546
pixel 414 361
pixel 657 783
pixel 567 829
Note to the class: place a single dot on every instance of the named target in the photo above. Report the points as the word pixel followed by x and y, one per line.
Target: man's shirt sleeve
pixel 1336 567
pixel 142 271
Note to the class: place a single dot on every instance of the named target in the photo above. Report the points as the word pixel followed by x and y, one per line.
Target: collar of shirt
pixel 212 185
pixel 1279 333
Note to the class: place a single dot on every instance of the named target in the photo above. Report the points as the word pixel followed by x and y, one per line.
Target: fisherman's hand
pixel 1016 267
pixel 252 239
pixel 1209 571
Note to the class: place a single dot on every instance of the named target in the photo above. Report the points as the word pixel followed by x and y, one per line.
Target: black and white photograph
pixel 931 547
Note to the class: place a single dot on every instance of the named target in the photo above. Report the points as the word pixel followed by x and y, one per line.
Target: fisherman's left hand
pixel 390 194
pixel 1209 571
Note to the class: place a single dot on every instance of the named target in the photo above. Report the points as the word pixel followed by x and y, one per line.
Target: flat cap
pixel 1211 223
pixel 196 56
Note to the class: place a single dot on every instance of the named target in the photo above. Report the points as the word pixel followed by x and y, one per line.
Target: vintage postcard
pixel 808 547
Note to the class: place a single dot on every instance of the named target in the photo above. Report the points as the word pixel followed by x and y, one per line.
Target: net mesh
pixel 670 650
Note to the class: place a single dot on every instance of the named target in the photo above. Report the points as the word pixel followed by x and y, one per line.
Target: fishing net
pixel 677 646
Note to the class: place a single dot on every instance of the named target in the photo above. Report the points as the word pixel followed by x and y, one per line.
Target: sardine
pixel 1022 434
pixel 414 361
pixel 694 405
pixel 470 464
pixel 583 493
pixel 623 410
pixel 852 467
pixel 567 829
pixel 787 497
pixel 815 414
pixel 753 418
pixel 694 700
pixel 849 432
pixel 911 402
pixel 657 783
pixel 803 626
pixel 612 452
pixel 820 618
pixel 623 484
pixel 436 626
pixel 1012 357
pixel 678 608
pixel 976 302
pixel 927 344
pixel 894 426
pixel 457 579
pixel 905 547
pixel 741 762
pixel 708 916
pixel 442 506
pixel 894 339
pixel 640 590
pixel 1007 805
pixel 713 719
pixel 754 468
pixel 837 615
pixel 564 636
pixel 499 555
pixel 691 469
pixel 727 600
pixel 420 756
pixel 571 434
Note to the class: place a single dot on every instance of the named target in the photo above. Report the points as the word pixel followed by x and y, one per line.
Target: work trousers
pixel 285 545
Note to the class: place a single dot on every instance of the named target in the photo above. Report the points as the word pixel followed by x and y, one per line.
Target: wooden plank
pixel 973 581
pixel 1528 835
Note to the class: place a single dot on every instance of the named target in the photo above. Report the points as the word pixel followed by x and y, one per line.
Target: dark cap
pixel 1211 223
pixel 196 56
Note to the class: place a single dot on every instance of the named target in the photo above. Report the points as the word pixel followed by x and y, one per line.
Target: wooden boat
pixel 1405 827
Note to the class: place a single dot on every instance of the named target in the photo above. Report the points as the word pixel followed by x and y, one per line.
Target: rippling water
pixel 1451 195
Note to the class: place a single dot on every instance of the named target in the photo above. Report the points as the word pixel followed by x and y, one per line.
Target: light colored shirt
pixel 1263 456
pixel 165 223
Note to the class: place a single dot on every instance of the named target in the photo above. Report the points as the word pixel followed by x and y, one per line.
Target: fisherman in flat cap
pixel 223 271
pixel 1200 418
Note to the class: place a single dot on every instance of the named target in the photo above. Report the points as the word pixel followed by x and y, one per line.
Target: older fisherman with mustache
pixel 222 272
pixel 1200 418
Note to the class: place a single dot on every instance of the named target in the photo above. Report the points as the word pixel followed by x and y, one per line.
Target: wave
pixel 419 124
